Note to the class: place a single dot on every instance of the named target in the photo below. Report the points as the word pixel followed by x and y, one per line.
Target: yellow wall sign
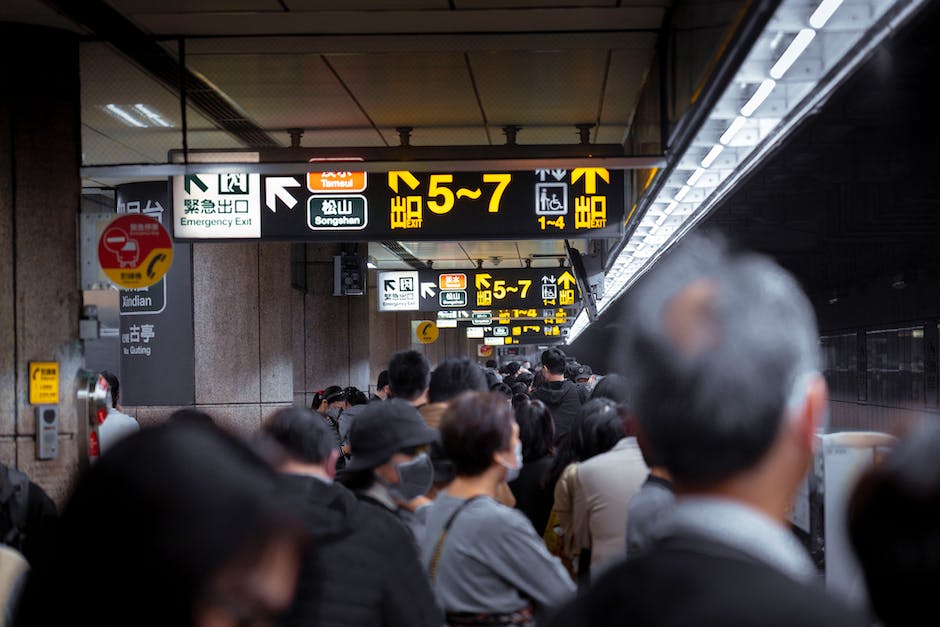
pixel 43 383
pixel 426 331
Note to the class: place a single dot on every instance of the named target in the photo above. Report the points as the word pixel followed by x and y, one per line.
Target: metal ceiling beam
pixel 427 21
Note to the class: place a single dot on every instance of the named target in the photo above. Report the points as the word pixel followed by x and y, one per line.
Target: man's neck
pixel 554 377
pixel 291 467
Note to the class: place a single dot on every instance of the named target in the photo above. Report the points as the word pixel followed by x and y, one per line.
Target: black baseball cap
pixel 583 372
pixel 383 429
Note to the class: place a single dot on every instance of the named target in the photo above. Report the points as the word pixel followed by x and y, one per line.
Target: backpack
pixel 14 507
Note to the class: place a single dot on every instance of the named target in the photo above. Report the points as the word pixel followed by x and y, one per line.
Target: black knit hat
pixel 383 429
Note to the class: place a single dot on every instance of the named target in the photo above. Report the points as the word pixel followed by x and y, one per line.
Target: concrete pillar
pixel 337 340
pixel 242 331
pixel 40 195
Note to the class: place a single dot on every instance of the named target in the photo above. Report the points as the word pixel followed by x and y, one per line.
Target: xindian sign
pixel 399 205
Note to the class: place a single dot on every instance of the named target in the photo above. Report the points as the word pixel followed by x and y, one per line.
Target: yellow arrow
pixel 566 280
pixel 590 177
pixel 404 175
pixel 483 281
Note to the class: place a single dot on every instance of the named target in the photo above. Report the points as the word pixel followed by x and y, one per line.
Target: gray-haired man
pixel 722 352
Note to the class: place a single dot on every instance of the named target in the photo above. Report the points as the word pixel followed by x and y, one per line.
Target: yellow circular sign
pixel 427 332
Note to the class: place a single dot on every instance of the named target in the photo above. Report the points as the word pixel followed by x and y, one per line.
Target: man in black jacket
pixel 361 571
pixel 723 357
pixel 559 394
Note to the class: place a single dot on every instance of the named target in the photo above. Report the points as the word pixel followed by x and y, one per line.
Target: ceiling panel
pixel 532 4
pixel 280 91
pixel 194 6
pixel 421 90
pixel 454 255
pixel 108 78
pixel 539 88
pixel 625 80
pixel 36 12
pixel 365 5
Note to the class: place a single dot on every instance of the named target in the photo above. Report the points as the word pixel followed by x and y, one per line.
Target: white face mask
pixel 512 472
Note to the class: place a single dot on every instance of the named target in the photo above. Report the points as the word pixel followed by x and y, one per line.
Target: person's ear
pixel 811 415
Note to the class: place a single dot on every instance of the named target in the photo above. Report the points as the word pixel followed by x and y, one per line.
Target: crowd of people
pixel 516 495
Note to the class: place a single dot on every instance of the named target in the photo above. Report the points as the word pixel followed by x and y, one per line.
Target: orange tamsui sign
pixel 336 182
pixel 135 251
pixel 456 281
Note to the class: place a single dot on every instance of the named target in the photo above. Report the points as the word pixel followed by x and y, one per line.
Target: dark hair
pixel 525 377
pixel 474 427
pixel 203 501
pixel 114 386
pixel 894 526
pixel 302 435
pixel 492 378
pixel 355 396
pixel 718 346
pixel 490 363
pixel 518 400
pixel 191 414
pixel 503 389
pixel 614 387
pixel 331 394
pixel 408 373
pixel 571 370
pixel 519 388
pixel 334 394
pixel 453 376
pixel 382 381
pixel 596 429
pixel 536 430
pixel 554 360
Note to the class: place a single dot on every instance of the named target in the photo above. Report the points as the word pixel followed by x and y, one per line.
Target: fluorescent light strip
pixel 696 176
pixel 729 134
pixel 124 116
pixel 792 53
pixel 682 193
pixel 712 155
pixel 759 97
pixel 152 115
pixel 823 12
pixel 642 252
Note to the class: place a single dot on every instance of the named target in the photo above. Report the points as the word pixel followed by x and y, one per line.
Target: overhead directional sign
pixel 519 333
pixel 399 205
pixel 485 318
pixel 523 289
pixel 222 206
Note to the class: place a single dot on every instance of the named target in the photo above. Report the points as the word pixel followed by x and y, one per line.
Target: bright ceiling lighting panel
pixel 772 99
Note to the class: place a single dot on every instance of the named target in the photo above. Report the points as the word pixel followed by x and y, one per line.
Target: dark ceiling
pixel 853 195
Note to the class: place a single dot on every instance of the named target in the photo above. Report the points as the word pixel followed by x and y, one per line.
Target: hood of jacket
pixel 554 392
pixel 327 510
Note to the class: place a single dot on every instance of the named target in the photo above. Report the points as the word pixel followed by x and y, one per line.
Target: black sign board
pixel 523 289
pixel 157 366
pixel 400 205
pixel 491 317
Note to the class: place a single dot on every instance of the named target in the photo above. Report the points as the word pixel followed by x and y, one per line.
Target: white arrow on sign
pixel 427 290
pixel 276 187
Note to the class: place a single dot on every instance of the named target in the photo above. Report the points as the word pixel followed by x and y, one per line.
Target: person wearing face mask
pixel 487 564
pixel 390 465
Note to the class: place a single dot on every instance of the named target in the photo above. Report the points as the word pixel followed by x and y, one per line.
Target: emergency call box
pixel 47 432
